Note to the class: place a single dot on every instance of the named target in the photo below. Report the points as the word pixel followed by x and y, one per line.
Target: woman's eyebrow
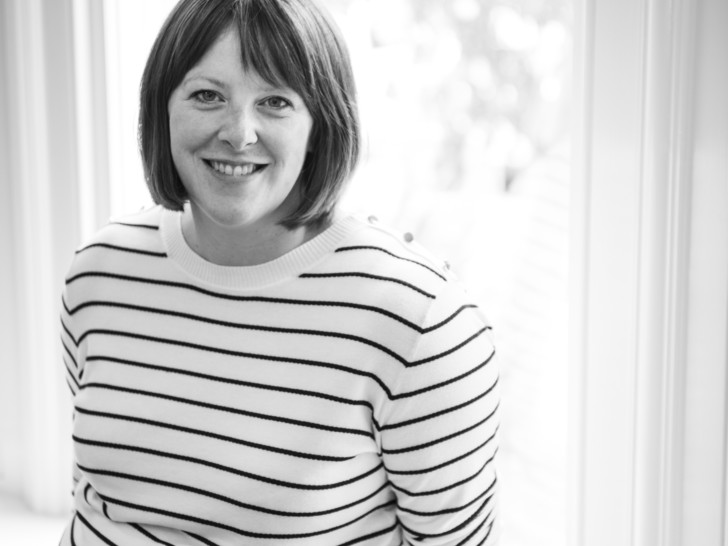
pixel 214 81
pixel 265 86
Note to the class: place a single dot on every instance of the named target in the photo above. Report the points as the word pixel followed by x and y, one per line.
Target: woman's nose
pixel 240 129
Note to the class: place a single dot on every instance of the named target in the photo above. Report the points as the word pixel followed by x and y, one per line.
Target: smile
pixel 233 169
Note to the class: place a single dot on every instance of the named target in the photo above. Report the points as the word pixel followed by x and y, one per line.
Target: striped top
pixel 343 393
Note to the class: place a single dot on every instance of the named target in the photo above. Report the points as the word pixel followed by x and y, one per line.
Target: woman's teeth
pixel 237 170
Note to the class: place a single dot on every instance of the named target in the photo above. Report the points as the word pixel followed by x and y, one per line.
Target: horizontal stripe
pixel 431 492
pixel 385 251
pixel 226 499
pixel 448 319
pixel 231 297
pixel 230 381
pixel 455 529
pixel 454 509
pixel 450 350
pixel 362 275
pixel 208 434
pixel 305 362
pixel 123 249
pixel 227 409
pixel 443 464
pixel 242 532
pixel 129 224
pixel 445 411
pixel 372 535
pixel 259 356
pixel 254 356
pixel 228 469
pixel 445 383
pixel 443 439
pixel 241 326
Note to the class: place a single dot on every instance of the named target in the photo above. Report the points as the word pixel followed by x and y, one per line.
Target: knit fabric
pixel 344 393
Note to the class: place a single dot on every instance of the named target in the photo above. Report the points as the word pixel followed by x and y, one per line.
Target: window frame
pixel 649 305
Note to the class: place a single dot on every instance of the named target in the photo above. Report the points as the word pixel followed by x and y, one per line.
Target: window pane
pixel 465 106
pixel 131 27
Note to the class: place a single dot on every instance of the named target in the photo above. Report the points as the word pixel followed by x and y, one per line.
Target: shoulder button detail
pixel 408 237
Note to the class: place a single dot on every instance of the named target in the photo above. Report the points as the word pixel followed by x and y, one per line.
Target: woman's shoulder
pixel 389 269
pixel 139 227
pixel 385 246
pixel 123 237
pixel 387 260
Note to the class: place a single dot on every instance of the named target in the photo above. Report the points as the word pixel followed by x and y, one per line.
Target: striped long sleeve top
pixel 344 393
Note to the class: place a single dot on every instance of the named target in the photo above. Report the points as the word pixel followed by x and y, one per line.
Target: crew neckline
pixel 251 277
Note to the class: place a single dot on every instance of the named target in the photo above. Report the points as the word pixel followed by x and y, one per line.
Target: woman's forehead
pixel 230 49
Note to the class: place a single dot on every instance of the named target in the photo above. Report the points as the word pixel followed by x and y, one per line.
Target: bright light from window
pixel 131 27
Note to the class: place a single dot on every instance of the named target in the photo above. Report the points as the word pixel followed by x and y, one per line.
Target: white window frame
pixel 650 274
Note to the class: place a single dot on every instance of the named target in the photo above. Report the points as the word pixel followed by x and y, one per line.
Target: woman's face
pixel 238 143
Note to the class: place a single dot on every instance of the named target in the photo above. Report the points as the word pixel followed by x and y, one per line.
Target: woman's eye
pixel 277 102
pixel 206 96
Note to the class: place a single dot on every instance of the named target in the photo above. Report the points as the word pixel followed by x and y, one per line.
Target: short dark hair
pixel 288 42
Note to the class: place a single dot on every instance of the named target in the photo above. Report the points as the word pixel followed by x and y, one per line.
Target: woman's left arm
pixel 439 433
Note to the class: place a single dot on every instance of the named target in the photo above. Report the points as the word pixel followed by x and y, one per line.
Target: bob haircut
pixel 291 43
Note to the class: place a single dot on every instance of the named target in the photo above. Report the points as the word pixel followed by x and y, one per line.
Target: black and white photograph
pixel 364 272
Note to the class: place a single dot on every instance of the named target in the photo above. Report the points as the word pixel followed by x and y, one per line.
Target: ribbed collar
pixel 292 264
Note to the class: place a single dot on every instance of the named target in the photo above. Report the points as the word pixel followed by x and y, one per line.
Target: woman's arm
pixel 438 435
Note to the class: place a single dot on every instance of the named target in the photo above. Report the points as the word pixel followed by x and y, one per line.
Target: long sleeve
pixel 439 435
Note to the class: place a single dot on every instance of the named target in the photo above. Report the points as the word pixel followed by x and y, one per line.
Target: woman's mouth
pixel 235 169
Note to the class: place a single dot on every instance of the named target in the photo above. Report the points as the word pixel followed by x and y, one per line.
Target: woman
pixel 250 366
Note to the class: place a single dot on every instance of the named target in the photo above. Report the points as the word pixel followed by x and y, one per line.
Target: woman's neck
pixel 248 245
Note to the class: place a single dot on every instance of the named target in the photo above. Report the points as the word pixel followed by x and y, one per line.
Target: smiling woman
pixel 248 361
